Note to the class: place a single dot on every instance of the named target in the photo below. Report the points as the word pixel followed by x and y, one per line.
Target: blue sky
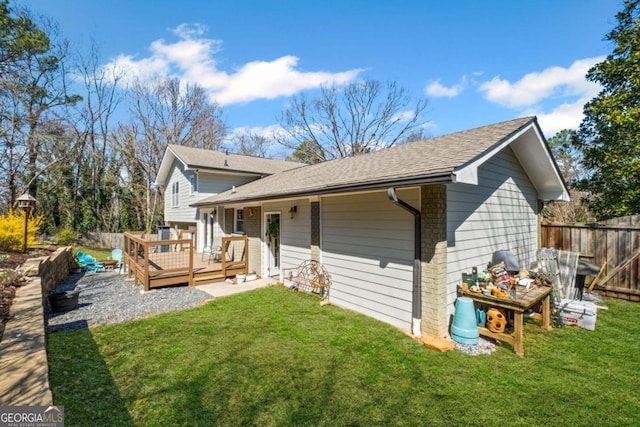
pixel 477 62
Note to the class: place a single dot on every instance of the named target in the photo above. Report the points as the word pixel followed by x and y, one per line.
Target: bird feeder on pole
pixel 26 202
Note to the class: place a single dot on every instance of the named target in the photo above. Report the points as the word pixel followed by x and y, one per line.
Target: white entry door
pixel 272 242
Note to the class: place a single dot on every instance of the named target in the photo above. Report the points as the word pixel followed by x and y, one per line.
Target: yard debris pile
pixel 493 302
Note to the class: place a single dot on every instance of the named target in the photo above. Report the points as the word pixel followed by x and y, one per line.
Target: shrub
pixel 11 229
pixel 66 237
pixel 9 277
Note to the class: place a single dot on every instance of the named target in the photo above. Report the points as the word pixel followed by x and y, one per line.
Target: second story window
pixel 175 194
pixel 193 184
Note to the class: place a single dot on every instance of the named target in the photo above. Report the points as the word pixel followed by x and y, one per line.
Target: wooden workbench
pixel 518 305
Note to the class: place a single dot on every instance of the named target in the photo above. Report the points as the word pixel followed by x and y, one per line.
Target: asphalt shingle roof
pixel 208 159
pixel 422 161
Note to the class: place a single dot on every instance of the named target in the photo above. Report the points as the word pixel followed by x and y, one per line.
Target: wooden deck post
pixel 146 267
pixel 191 272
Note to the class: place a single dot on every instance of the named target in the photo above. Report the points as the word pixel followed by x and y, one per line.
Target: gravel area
pixel 484 346
pixel 107 297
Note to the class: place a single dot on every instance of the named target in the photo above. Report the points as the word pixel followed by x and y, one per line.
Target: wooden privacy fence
pixel 615 241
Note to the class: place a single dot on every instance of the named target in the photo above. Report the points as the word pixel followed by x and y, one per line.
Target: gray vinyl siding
pixel 210 184
pixel 367 247
pixel 295 234
pixel 181 213
pixel 498 213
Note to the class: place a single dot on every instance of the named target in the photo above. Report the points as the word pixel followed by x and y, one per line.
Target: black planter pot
pixel 64 301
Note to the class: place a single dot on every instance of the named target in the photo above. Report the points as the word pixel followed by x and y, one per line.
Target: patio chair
pixel 116 255
pixel 216 254
pixel 88 262
pixel 83 259
pixel 206 251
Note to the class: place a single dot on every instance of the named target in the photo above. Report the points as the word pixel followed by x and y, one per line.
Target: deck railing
pixel 155 263
pixel 235 255
pixel 158 262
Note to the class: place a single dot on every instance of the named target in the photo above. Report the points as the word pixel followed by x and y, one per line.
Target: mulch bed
pixel 11 261
pixel 8 290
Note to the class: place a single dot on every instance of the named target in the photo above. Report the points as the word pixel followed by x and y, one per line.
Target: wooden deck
pixel 157 263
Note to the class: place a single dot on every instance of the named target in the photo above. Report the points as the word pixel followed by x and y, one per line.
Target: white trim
pixel 265 247
pixel 316 198
pixel 175 194
pixel 219 224
pixel 235 220
pixel 535 158
pixel 193 184
pixel 468 174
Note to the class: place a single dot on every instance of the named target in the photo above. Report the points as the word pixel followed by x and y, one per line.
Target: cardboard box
pixel 579 313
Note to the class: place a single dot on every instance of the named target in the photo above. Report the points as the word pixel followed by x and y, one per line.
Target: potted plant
pixel 64 301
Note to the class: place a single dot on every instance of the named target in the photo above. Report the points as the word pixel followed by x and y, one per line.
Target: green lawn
pixel 274 357
pixel 96 253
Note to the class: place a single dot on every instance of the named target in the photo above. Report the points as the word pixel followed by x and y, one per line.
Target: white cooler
pixel 579 313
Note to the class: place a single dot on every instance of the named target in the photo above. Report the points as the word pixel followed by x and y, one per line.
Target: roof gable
pixel 215 161
pixel 532 151
pixel 448 158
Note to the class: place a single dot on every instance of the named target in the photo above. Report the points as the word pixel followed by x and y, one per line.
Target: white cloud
pixel 192 60
pixel 436 90
pixel 403 116
pixel 534 87
pixel 565 116
pixel 271 131
pixel 262 79
pixel 187 31
pixel 556 95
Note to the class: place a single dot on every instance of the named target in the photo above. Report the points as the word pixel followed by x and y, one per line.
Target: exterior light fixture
pixel 292 211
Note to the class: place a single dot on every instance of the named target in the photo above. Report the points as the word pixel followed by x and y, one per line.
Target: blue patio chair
pixel 88 262
pixel 116 255
pixel 81 258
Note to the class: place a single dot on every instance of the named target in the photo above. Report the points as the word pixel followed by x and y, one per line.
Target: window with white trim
pixel 175 194
pixel 238 223
pixel 193 184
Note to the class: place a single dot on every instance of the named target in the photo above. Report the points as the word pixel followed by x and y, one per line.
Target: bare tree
pixel 94 179
pixel 417 135
pixel 359 118
pixel 165 112
pixel 136 176
pixel 250 143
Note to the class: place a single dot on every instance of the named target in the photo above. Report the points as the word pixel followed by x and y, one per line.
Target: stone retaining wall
pixel 51 269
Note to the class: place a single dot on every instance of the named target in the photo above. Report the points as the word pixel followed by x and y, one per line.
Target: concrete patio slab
pixel 225 289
